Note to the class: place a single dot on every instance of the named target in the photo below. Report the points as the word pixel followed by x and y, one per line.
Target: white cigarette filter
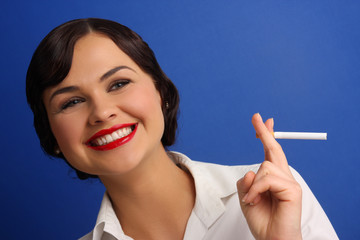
pixel 300 135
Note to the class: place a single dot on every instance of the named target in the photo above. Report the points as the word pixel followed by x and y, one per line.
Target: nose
pixel 102 111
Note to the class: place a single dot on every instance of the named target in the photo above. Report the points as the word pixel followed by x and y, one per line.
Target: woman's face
pixel 106 114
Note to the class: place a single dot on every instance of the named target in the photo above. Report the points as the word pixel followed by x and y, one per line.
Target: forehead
pixel 97 51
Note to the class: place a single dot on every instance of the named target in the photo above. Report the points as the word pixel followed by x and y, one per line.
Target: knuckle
pixel 265 168
pixel 266 164
pixel 267 178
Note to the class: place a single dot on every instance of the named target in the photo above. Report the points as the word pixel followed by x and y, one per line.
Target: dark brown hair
pixel 51 64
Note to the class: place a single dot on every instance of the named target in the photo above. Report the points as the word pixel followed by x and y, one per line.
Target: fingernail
pixel 244 198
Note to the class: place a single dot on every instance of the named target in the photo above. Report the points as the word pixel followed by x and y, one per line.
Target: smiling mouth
pixel 109 139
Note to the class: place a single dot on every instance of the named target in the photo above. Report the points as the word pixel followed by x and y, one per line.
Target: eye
pixel 118 85
pixel 71 103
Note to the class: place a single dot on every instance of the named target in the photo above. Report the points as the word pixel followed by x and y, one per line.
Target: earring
pixel 166 104
pixel 57 151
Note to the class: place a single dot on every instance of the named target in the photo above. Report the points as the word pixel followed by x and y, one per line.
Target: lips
pixel 113 137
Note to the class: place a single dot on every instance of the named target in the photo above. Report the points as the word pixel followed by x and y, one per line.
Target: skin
pixel 137 174
pixel 156 197
pixel 271 198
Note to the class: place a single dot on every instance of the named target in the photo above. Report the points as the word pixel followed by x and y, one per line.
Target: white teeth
pixel 103 140
pixel 122 133
pixel 115 136
pixel 109 138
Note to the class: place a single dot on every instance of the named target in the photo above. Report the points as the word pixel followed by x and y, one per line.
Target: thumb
pixel 244 184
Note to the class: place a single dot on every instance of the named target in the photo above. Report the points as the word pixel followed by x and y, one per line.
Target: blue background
pixel 296 61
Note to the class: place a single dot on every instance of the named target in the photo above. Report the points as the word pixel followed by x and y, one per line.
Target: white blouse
pixel 217 213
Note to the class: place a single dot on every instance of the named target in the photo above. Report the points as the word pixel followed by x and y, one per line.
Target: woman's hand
pixel 271 198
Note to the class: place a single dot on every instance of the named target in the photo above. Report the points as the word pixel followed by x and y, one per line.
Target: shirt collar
pixel 107 221
pixel 210 190
pixel 208 207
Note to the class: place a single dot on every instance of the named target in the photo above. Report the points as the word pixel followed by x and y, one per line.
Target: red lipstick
pixel 115 143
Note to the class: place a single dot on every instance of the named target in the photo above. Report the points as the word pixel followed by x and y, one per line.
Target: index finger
pixel 273 150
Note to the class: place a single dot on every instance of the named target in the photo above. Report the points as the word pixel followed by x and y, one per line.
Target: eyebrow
pixel 113 71
pixel 103 77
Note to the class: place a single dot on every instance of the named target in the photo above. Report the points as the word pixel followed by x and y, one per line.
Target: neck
pixel 155 200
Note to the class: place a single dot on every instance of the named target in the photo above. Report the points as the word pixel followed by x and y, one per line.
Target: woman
pixel 112 112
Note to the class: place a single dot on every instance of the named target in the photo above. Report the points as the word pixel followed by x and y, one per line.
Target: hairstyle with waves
pixel 51 62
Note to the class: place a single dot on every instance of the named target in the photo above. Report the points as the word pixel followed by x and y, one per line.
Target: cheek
pixel 66 131
pixel 151 104
pixel 146 105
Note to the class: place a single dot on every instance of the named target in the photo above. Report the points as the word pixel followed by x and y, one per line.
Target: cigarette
pixel 300 135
